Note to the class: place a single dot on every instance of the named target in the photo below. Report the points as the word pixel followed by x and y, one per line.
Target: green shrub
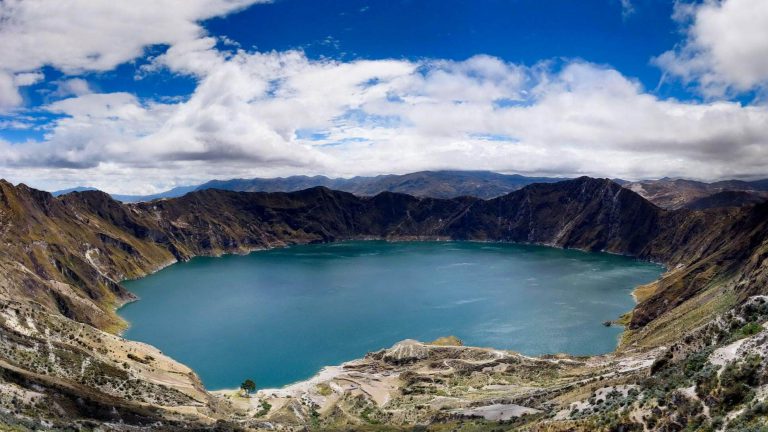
pixel 746 330
pixel 264 409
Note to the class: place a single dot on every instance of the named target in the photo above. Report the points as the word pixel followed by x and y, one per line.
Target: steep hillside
pixel 91 242
pixel 70 253
pixel 63 260
pixel 583 213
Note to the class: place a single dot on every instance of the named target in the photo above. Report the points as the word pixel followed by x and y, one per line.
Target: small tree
pixel 248 386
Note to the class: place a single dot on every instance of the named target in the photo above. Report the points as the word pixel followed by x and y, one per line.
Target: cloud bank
pixel 280 113
pixel 77 36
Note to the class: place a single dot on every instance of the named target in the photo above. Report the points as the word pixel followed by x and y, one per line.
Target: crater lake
pixel 279 316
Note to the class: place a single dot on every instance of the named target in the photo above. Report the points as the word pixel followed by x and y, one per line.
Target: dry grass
pixel 447 341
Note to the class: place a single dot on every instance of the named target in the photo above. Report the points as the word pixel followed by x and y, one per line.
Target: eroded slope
pixel 63 259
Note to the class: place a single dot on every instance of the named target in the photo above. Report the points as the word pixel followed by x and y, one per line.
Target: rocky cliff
pixel 63 259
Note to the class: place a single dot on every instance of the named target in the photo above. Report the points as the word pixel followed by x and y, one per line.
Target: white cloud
pixel 9 87
pixel 77 36
pixel 194 57
pixel 72 87
pixel 27 79
pixel 726 46
pixel 279 113
pixel 97 35
pixel 266 114
pixel 9 93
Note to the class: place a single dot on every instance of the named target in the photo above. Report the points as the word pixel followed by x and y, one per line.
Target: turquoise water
pixel 278 316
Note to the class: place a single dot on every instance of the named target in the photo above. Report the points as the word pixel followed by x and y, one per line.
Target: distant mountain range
pixel 666 192
pixel 680 193
pixel 434 184
pixel 171 193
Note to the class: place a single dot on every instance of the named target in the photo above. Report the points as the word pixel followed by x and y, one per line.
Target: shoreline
pixel 324 374
pixel 300 385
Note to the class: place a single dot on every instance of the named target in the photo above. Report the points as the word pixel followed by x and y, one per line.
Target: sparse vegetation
pixel 55 300
pixel 447 341
pixel 264 408
pixel 248 386
pixel 324 389
pixel 749 329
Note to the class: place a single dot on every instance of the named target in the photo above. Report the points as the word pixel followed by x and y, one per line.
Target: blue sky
pixel 522 31
pixel 158 94
pixel 518 31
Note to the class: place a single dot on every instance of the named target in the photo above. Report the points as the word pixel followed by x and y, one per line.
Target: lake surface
pixel 278 316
